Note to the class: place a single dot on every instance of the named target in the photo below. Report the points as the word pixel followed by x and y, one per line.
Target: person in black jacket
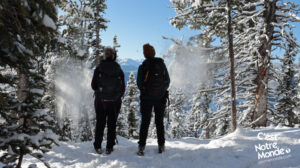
pixel 153 81
pixel 109 86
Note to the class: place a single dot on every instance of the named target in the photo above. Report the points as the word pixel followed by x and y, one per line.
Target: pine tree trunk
pixel 22 86
pixel 232 73
pixel 291 118
pixel 22 93
pixel 20 160
pixel 88 124
pixel 259 117
pixel 206 131
pixel 261 99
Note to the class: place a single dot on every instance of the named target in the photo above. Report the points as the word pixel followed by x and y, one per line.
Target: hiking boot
pixel 141 151
pixel 98 150
pixel 161 148
pixel 109 150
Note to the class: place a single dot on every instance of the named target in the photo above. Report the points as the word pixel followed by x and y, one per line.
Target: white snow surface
pixel 235 150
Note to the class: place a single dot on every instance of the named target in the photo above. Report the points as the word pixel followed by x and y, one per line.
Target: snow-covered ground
pixel 240 149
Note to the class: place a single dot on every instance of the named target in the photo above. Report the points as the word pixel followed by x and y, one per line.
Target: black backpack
pixel 155 78
pixel 109 81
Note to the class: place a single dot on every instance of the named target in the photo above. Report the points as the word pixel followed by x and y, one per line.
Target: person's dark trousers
pixel 106 113
pixel 146 110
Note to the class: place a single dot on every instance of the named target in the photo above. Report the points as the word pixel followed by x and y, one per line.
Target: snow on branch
pixel 48 22
pixel 214 89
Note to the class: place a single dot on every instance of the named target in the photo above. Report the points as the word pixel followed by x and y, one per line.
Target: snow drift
pixel 240 149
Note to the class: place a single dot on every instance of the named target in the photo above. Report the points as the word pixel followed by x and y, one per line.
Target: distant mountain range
pixel 129 65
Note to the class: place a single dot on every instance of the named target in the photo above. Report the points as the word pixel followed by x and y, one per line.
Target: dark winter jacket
pixel 94 83
pixel 141 76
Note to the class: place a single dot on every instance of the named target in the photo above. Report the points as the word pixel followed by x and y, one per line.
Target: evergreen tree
pixel 131 106
pixel 97 23
pixel 176 126
pixel 27 29
pixel 257 29
pixel 284 108
pixel 122 123
pixel 201 111
pixel 85 126
pixel 75 27
pixel 65 124
pixel 116 44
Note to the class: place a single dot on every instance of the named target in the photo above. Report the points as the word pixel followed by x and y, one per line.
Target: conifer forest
pixel 238 77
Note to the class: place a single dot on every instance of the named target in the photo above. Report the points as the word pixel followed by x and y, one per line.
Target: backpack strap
pixel 149 70
pixel 146 76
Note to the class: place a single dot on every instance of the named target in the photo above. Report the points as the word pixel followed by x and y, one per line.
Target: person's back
pixel 153 81
pixel 109 80
pixel 153 78
pixel 109 86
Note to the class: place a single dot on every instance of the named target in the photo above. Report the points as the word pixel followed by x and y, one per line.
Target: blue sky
pixel 136 22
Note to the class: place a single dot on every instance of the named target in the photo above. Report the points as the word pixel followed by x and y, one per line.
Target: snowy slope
pixel 236 150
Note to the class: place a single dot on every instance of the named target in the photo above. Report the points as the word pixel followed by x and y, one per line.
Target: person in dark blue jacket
pixel 153 81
